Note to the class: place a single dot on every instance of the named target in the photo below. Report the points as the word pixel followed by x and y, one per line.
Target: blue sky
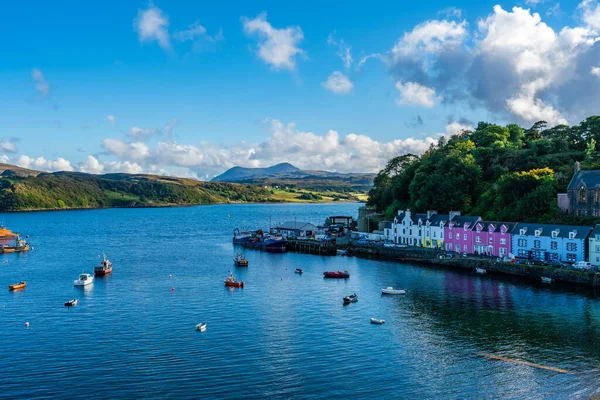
pixel 192 88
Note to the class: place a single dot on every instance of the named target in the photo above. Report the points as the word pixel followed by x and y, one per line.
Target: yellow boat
pixel 19 246
pixel 17 286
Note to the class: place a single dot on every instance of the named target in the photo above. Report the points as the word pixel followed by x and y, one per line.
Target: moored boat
pixel 336 274
pixel 231 282
pixel 104 268
pixel 298 271
pixel 276 245
pixel 7 234
pixel 377 321
pixel 547 280
pixel 201 327
pixel 18 247
pixel 353 298
pixel 391 290
pixel 84 279
pixel 17 286
pixel 71 303
pixel 341 252
pixel 480 271
pixel 240 260
pixel 241 237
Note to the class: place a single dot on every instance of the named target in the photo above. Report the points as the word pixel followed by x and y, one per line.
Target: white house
pixel 408 228
pixel 594 246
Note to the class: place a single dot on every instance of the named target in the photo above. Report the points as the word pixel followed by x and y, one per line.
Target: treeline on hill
pixel 504 173
pixel 70 190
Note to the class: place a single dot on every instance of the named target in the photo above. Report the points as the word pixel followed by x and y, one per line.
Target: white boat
pixel 84 279
pixel 342 252
pixel 480 270
pixel 201 327
pixel 377 321
pixel 391 290
pixel 546 279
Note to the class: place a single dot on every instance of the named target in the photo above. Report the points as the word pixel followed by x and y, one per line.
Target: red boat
pixel 338 274
pixel 231 282
pixel 104 268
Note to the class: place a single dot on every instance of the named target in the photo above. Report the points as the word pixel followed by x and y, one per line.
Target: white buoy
pixel 27 324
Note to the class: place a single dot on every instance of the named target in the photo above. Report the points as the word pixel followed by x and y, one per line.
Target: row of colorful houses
pixel 472 235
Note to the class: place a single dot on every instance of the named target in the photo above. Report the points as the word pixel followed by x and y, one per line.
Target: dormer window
pixel 555 233
pixel 523 232
pixel 572 234
pixel 538 232
pixel 503 229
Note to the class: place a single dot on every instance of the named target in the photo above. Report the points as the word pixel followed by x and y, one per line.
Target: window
pixel 491 239
pixel 434 234
pixel 581 197
pixel 523 232
pixel 571 246
pixel 571 257
pixel 502 240
pixel 538 232
pixel 449 235
pixel 554 245
pixel 458 248
pixel 465 236
pixel 522 242
pixel 572 235
pixel 465 247
pixel 502 251
pixel 477 239
pixel 404 231
pixel 597 249
pixel 458 236
pixel 554 234
pixel 522 253
pixel 597 195
pixel 554 256
pixel 537 244
pixel 597 259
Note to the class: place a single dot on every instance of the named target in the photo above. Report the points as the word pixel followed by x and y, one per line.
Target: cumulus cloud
pixel 41 84
pixel 457 127
pixel 277 47
pixel 511 64
pixel 111 119
pixel 140 134
pixel 595 71
pixel 338 83
pixel 9 145
pixel 151 25
pixel 412 93
pixel 329 151
pixel 40 163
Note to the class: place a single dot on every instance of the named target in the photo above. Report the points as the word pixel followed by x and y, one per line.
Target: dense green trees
pixel 499 172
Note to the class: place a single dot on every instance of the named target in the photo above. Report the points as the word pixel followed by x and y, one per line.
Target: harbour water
pixel 284 335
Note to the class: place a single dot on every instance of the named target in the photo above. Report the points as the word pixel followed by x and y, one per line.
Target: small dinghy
pixel 298 271
pixel 201 327
pixel 376 321
pixel 353 298
pixel 17 286
pixel 391 290
pixel 546 279
pixel 240 260
pixel 71 303
pixel 480 271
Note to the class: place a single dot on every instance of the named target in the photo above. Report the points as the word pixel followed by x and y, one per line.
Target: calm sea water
pixel 284 335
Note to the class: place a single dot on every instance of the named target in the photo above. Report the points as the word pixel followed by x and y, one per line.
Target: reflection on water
pixel 284 335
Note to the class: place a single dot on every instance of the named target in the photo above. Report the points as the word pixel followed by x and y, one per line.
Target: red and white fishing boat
pixel 231 282
pixel 336 274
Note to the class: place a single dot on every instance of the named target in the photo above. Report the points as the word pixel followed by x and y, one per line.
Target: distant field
pixel 295 196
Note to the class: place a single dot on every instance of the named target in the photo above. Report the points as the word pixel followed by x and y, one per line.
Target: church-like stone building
pixel 584 192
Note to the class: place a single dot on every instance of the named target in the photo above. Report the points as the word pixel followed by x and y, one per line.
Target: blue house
pixel 548 242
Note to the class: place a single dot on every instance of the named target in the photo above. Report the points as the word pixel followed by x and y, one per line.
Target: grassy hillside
pixel 69 190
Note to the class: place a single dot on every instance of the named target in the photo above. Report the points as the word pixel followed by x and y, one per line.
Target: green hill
pixel 504 173
pixel 21 191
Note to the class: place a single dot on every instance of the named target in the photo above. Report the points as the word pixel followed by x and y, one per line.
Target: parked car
pixel 464 254
pixel 362 242
pixel 388 244
pixel 536 261
pixel 558 264
pixel 582 265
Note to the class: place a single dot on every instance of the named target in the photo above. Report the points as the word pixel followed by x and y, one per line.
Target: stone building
pixel 584 193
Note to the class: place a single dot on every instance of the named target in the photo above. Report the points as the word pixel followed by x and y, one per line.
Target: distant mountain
pixel 287 175
pixel 237 174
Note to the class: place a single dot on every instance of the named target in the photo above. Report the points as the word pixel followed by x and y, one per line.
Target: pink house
pixel 459 234
pixel 492 238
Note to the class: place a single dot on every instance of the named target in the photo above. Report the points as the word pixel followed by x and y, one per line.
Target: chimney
pixel 407 213
pixel 453 214
pixel 577 166
pixel 431 213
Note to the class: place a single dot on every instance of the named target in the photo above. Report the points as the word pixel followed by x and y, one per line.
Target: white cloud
pixel 111 119
pixel 277 47
pixel 338 83
pixel 330 151
pixel 451 12
pixel 141 134
pixel 412 93
pixel 152 25
pixel 9 145
pixel 591 13
pixel 40 163
pixel 194 30
pixel 595 71
pixel 533 2
pixel 431 37
pixel 91 165
pixel 344 51
pixel 456 127
pixel 41 85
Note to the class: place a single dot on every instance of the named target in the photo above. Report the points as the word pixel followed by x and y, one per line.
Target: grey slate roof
pixel 596 230
pixel 509 225
pixel 563 230
pixel 437 218
pixel 589 178
pixel 460 221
